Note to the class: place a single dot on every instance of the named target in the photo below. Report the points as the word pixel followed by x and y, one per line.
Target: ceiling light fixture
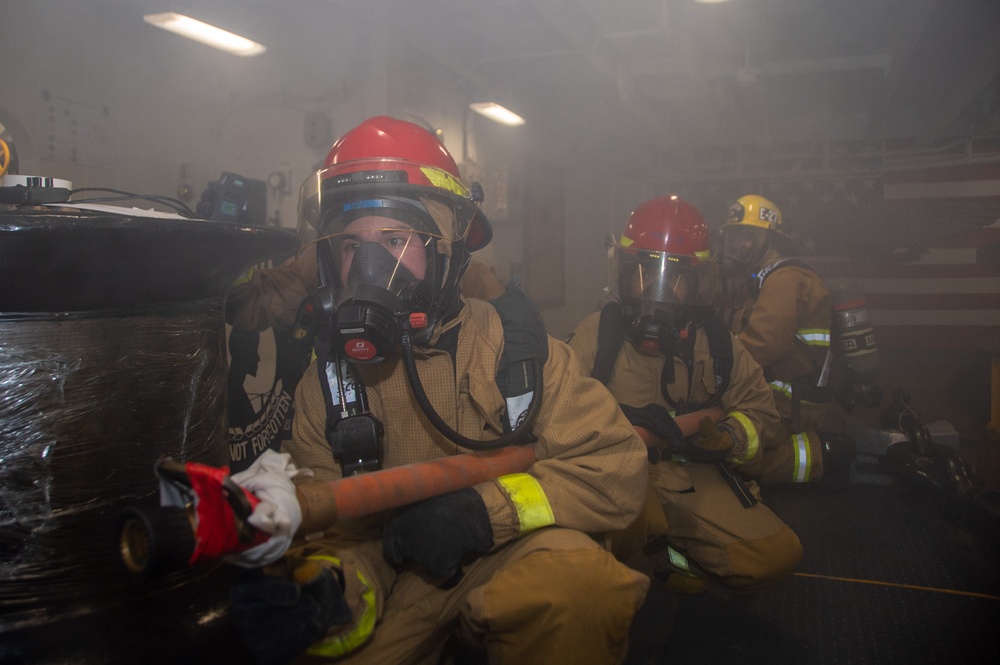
pixel 710 2
pixel 497 113
pixel 204 33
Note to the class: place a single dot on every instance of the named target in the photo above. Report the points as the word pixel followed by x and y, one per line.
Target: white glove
pixel 269 478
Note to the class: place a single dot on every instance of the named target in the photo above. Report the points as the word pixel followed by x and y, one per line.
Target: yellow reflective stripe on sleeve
pixel 782 387
pixel 338 645
pixel 533 509
pixel 753 439
pixel 786 390
pixel 815 336
pixel 802 456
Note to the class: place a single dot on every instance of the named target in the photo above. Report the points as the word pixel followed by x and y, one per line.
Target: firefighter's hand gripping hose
pixel 278 514
pixel 438 533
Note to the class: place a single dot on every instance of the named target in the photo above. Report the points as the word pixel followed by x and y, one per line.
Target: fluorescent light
pixel 204 33
pixel 497 113
pixel 710 2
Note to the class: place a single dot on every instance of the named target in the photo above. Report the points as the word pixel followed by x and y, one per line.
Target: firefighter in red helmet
pixel 662 352
pixel 407 371
pixel 780 310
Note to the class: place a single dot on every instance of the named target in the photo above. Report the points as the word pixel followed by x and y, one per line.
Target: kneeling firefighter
pixel 408 370
pixel 780 310
pixel 663 352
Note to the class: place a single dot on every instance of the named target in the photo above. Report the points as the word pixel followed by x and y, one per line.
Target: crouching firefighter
pixel 663 352
pixel 408 370
pixel 780 310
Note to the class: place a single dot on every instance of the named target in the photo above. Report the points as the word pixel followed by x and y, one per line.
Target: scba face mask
pixel 384 273
pixel 741 247
pixel 660 294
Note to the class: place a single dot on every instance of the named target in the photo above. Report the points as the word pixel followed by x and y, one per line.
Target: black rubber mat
pixel 885 578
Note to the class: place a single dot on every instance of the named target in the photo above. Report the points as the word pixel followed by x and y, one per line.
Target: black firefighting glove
pixel 280 611
pixel 657 420
pixel 438 533
pixel 711 444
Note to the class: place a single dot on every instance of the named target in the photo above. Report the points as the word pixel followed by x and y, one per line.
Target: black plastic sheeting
pixel 112 354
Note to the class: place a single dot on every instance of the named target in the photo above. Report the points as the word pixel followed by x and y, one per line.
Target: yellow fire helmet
pixel 753 210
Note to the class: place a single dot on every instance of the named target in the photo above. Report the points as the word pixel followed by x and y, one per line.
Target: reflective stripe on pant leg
pixel 344 643
pixel 802 458
pixel 679 562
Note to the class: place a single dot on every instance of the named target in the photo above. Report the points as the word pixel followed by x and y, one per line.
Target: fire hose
pixel 154 542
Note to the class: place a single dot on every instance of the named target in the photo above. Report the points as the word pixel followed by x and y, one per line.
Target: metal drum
pixel 112 354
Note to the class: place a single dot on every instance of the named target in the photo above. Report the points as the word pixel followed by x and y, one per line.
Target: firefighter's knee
pixel 763 562
pixel 561 605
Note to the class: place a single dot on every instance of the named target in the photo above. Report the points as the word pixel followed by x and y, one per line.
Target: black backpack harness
pixel 611 338
pixel 355 435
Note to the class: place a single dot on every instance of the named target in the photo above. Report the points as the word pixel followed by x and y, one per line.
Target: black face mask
pixel 654 333
pixel 740 249
pixel 378 291
pixel 659 332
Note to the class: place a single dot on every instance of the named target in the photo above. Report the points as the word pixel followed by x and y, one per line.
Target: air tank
pixel 855 345
pixel 112 354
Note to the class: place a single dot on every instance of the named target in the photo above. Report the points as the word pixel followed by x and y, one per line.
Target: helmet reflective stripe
pixel 444 180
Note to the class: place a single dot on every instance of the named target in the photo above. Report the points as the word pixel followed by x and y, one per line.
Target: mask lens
pixel 376 254
pixel 648 281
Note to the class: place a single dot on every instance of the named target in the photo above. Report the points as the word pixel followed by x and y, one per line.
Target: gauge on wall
pixel 276 180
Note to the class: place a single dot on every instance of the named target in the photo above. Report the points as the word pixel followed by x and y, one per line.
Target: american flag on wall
pixel 946 299
pixel 925 246
pixel 949 296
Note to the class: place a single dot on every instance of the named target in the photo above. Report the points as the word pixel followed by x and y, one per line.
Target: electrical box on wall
pixel 233 198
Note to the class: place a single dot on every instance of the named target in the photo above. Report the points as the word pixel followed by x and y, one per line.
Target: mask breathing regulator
pixel 366 326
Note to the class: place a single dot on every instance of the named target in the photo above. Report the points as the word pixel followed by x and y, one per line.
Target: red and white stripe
pixel 944 300
pixel 968 182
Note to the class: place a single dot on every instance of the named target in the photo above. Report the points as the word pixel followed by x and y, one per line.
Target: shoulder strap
pixel 610 338
pixel 720 349
pixel 526 346
pixel 780 263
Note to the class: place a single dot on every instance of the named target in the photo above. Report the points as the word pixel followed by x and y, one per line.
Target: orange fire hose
pixel 152 543
pixel 323 503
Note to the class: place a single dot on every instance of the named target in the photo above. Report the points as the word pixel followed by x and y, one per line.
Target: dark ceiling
pixel 743 85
